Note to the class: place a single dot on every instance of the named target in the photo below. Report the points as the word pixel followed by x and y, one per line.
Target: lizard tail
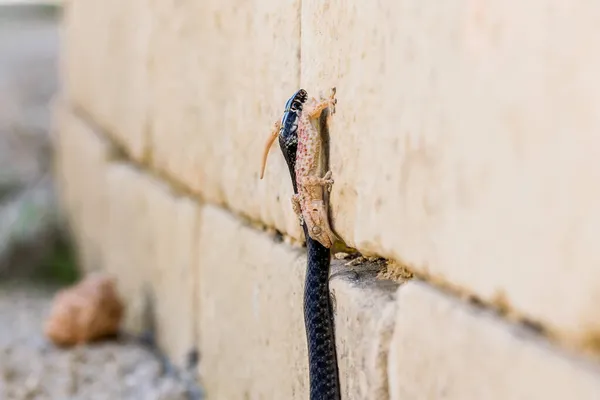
pixel 266 152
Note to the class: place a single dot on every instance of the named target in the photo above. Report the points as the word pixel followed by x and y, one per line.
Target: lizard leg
pixel 312 180
pixel 315 110
pixel 274 133
pixel 296 206
pixel 319 228
pixel 328 181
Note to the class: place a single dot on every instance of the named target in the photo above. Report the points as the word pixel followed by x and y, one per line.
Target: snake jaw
pixel 268 145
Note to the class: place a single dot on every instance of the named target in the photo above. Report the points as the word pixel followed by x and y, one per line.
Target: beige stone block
pixel 223 71
pixel 150 249
pixel 81 157
pixel 105 66
pixel 251 326
pixel 465 144
pixel 443 348
pixel 364 324
pixel 129 246
pixel 175 224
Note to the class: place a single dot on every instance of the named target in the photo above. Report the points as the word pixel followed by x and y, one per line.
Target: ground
pixel 33 368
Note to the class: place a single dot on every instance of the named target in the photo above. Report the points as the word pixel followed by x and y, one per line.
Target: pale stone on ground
pixel 85 312
pixel 470 152
pixel 105 66
pixel 149 247
pixel 252 340
pixel 443 348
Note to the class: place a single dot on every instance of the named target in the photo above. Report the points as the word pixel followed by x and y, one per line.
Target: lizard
pixel 299 123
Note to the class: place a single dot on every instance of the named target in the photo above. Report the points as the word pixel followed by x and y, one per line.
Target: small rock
pixel 341 256
pixel 88 311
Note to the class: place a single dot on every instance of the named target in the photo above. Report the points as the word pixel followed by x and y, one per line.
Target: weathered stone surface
pixel 444 348
pixel 174 222
pixel 465 146
pixel 105 66
pixel 439 160
pixel 149 247
pixel 81 159
pixel 365 319
pixel 251 327
pixel 128 246
pixel 223 71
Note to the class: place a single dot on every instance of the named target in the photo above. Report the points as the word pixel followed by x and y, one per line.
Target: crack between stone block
pixel 196 289
pixel 587 350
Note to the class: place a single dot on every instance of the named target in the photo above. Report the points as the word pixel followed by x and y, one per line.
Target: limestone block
pixel 364 324
pixel 465 146
pixel 80 163
pixel 251 326
pixel 223 71
pixel 174 223
pixel 150 250
pixel 129 245
pixel 105 66
pixel 443 348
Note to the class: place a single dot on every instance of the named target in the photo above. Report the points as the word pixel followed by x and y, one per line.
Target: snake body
pixel 318 310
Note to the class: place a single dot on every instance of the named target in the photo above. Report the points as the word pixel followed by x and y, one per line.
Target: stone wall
pixel 464 151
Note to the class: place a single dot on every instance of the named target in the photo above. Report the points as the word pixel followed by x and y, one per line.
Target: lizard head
pixel 287 128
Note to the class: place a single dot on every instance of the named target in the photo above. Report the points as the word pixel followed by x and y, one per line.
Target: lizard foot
pixel 314 108
pixel 312 180
pixel 328 180
pixel 332 101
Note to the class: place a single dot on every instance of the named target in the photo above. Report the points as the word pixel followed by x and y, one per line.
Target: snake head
pixel 287 128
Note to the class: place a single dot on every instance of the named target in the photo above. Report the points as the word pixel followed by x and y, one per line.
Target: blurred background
pixel 36 254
